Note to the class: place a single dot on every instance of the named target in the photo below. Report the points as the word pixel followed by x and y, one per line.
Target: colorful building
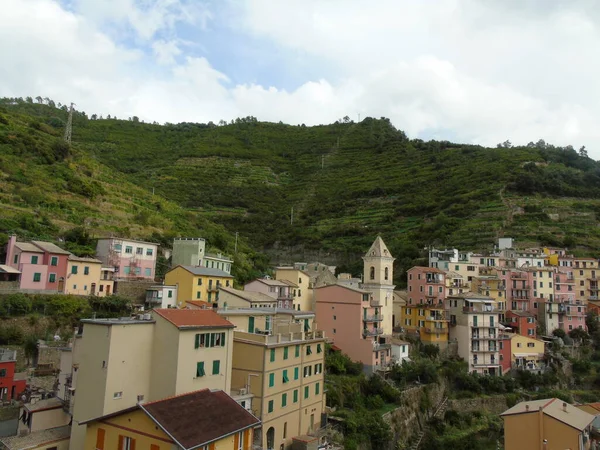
pixel 548 424
pixel 10 388
pixel 129 258
pixel 84 277
pixel 352 319
pixel 521 322
pixel 526 353
pixel 51 439
pixel 197 283
pixel 201 420
pixel 279 290
pixel 161 296
pixel 192 252
pixel 283 370
pixel 235 298
pixel 303 293
pixel 475 324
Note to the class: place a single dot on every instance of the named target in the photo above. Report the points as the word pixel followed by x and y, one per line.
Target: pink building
pixel 505 352
pixel 522 322
pixel 43 265
pixel 353 319
pixel 130 258
pixel 426 285
pixel 280 290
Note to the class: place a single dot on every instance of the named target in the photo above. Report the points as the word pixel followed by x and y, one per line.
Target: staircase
pixel 439 412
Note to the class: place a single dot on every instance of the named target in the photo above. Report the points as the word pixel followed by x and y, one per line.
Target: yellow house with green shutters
pixel 173 423
pixel 197 283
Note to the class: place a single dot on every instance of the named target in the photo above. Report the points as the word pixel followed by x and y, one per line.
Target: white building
pixel 161 296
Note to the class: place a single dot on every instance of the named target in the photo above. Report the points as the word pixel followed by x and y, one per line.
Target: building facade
pixel 129 258
pixel 197 283
pixel 279 290
pixel 303 293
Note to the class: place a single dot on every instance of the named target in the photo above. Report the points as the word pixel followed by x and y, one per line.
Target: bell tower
pixel 378 278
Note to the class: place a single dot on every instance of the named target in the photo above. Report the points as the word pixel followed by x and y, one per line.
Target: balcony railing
pixel 373 332
pixel 378 347
pixel 480 309
pixel 435 330
pixel 478 363
pixel 484 336
pixel 374 318
pixel 485 350
pixel 432 305
pixel 436 317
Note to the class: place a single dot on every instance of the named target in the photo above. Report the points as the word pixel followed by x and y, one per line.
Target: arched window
pixel 372 275
pixel 387 273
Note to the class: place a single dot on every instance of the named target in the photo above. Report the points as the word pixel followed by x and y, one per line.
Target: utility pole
pixel 69 127
pixel 236 239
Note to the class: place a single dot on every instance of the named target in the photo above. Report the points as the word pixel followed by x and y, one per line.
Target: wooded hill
pixel 346 182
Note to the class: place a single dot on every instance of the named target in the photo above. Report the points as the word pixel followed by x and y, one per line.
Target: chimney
pixel 565 406
pixel 10 250
pixel 526 407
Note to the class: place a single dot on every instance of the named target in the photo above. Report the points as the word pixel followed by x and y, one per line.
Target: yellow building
pixel 455 283
pixel 490 285
pixel 526 352
pixel 466 269
pixel 84 277
pixel 543 282
pixel 203 420
pixel 197 283
pixel 586 274
pixel 120 362
pixel 284 371
pixel 548 424
pixel 429 321
pixel 303 293
pixel 399 301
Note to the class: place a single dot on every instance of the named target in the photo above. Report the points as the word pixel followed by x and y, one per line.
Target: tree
pixel 51 103
pixel 136 119
pixel 583 152
pixel 39 99
pixel 28 99
pixel 346 119
pixel 30 346
pixel 94 117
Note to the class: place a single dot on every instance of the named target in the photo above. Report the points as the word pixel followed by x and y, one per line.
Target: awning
pixel 524 355
pixel 7 269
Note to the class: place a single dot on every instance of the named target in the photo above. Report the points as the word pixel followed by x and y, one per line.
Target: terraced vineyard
pixel 345 182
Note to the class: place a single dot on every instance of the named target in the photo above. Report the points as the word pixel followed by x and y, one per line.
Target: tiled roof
pixel 84 259
pixel 378 249
pixel 289 283
pixel 37 438
pixel 50 247
pixel 350 288
pixel 28 247
pixel 199 304
pixel 206 271
pixel 199 418
pixel 252 297
pixel 193 318
pixel 521 313
pixel 555 408
pixel 425 269
pixel 270 282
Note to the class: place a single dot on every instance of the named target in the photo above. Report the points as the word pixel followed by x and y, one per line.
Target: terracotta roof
pixel 50 247
pixel 596 406
pixel 556 408
pixel 199 304
pixel 220 416
pixel 205 271
pixel 425 269
pixel 249 296
pixel 37 438
pixel 193 318
pixel 378 249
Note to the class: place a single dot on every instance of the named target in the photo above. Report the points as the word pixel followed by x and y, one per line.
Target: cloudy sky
pixel 479 71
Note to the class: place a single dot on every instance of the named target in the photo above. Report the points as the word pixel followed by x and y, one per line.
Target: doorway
pixel 271 439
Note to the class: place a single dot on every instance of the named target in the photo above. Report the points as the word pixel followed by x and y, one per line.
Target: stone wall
pixel 494 404
pixel 134 290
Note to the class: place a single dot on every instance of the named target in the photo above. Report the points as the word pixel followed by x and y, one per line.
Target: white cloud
pixel 480 70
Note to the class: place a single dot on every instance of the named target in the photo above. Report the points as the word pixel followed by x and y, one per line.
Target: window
pixel 372 273
pixel 334 331
pixel 216 367
pixel 126 443
pixel 270 409
pixel 283 400
pixel 101 288
pixel 54 261
pixel 138 270
pixel 285 352
pixel 297 351
pixel 306 392
pixel 296 373
pixel 2 373
pixel 530 332
pixel 127 270
pixel 209 340
pixel 117 395
pixel 170 294
pixel 198 295
pixel 296 396
pixel 284 430
pixel 387 273
pixel 317 389
pixel 118 248
pixel 148 272
pixel 16 259
pixel 530 344
pixel 139 251
pixel 319 349
pixel 318 368
pixel 200 369
pixel 100 433
pixel 74 270
pixel 272 355
pixel 34 259
pixel 308 350
pixel 199 281
pixel 149 252
pixel 307 371
pixel 129 249
pixel 271 379
pixel 37 276
pixel 518 345
pixel 86 270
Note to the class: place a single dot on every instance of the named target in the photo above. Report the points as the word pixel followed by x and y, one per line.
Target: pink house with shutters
pixel 43 265
pixel 131 259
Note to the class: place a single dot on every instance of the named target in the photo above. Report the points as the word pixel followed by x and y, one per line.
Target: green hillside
pixel 346 182
pixel 50 191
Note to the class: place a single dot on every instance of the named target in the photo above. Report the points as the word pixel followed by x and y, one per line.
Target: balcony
pixel 436 317
pixel 481 336
pixel 521 296
pixel 477 363
pixel 481 309
pixel 484 350
pixel 430 305
pixel 153 297
pixel 373 332
pixel 435 330
pixel 375 318
pixel 379 347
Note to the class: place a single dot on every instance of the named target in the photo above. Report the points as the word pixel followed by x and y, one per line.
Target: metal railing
pixel 374 318
pixel 373 332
